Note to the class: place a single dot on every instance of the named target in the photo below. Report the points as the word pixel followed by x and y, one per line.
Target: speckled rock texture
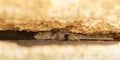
pixel 79 16
pixel 46 50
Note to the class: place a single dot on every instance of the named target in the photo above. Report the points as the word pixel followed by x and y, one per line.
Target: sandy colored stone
pixel 79 16
pixel 38 50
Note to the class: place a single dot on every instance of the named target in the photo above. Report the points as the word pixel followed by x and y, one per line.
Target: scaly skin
pixel 50 35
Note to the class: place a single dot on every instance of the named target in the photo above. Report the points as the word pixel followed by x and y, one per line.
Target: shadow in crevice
pixel 16 35
pixel 24 38
pixel 30 43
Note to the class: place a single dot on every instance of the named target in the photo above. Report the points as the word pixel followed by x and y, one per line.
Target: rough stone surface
pixel 67 50
pixel 79 16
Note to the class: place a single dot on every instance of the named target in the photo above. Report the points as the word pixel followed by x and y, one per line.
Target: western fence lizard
pixel 50 35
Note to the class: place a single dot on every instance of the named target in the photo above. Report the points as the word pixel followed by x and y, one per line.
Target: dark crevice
pixel 25 35
pixel 24 38
pixel 16 35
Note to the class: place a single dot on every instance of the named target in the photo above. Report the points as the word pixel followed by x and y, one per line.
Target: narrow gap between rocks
pixel 56 35
pixel 24 38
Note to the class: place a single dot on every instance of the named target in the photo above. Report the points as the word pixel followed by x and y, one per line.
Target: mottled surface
pixel 79 16
pixel 52 35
